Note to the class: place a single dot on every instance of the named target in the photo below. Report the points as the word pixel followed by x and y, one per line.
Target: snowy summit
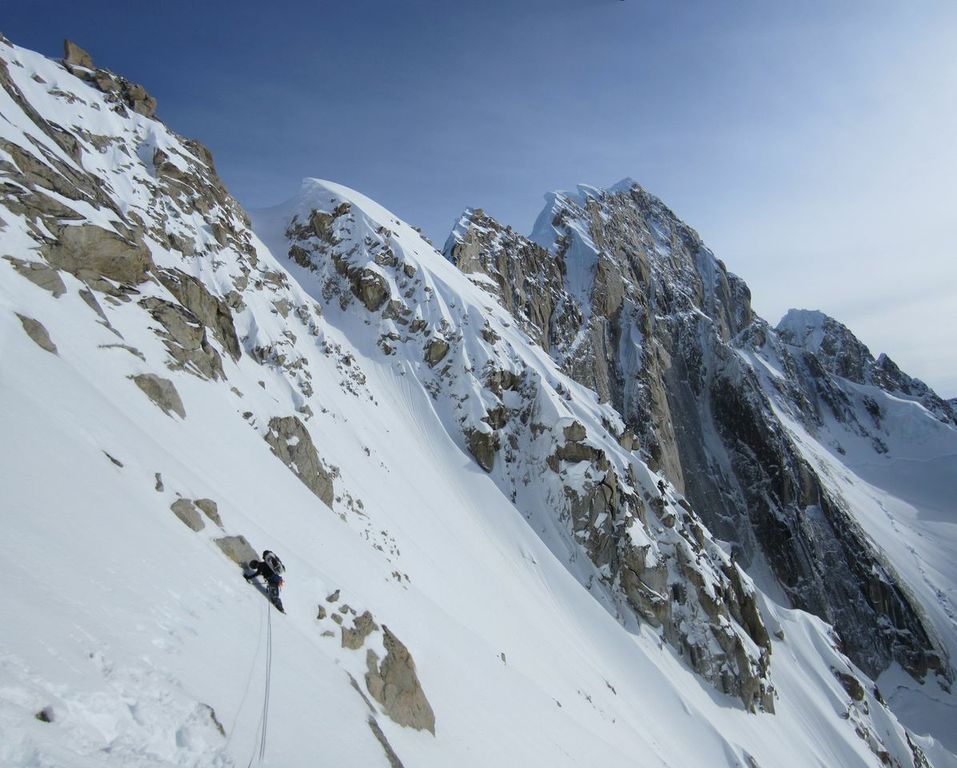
pixel 560 499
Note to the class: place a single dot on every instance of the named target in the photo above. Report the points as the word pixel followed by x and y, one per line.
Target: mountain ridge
pixel 626 335
pixel 330 386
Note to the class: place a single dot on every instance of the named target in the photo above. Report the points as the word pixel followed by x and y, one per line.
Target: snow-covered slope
pixel 885 443
pixel 629 301
pixel 442 494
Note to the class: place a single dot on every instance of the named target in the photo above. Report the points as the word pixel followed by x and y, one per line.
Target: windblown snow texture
pixel 482 567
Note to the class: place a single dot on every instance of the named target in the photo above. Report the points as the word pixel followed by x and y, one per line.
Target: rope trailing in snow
pixel 262 748
pixel 263 727
pixel 249 680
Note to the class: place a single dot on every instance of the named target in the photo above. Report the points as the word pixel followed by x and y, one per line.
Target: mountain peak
pixel 814 330
pixel 832 342
pixel 585 191
pixel 842 354
pixel 483 461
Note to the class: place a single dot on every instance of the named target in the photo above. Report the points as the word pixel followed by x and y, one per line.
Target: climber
pixel 270 568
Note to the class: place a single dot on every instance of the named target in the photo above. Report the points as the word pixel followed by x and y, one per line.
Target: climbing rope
pixel 263 727
pixel 262 747
pixel 249 680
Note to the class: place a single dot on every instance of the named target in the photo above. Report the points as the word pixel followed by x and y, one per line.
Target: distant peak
pixel 804 318
pixel 625 185
pixel 838 349
pixel 584 192
pixel 809 327
pixel 320 193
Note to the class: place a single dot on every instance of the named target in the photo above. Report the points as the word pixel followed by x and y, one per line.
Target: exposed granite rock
pixel 575 432
pixel 237 549
pixel 75 56
pixel 292 443
pixel 94 254
pixel 395 685
pixel 316 245
pixel 132 95
pixel 125 347
pixel 363 626
pixel 186 511
pixel 208 712
pixel 90 300
pixel 209 508
pixel 370 288
pixel 322 222
pixel 391 756
pixel 480 244
pixel 45 715
pixel 37 332
pixel 435 350
pixel 211 311
pixel 40 275
pixel 575 452
pixel 483 445
pixel 851 684
pixel 184 336
pixel 162 392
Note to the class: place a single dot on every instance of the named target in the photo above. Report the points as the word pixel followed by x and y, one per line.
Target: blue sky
pixel 811 144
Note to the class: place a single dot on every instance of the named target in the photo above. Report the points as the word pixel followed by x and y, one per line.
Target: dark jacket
pixel 260 568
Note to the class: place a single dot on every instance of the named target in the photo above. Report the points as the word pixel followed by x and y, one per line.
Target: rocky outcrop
pixel 95 255
pixel 40 275
pixel 132 95
pixel 391 756
pixel 209 508
pixel 676 581
pixel 186 511
pixel 633 305
pixel 370 288
pixel 527 277
pixel 237 549
pixel 395 685
pixel 851 684
pixel 435 351
pixel 162 392
pixel 362 626
pixel 184 336
pixel 483 444
pixel 75 56
pixel 292 444
pixel 213 312
pixel 38 333
pixel 316 244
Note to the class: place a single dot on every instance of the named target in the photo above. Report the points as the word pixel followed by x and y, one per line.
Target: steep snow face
pixel 886 444
pixel 665 334
pixel 171 395
pixel 551 448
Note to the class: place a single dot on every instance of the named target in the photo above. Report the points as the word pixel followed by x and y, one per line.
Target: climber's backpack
pixel 272 560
